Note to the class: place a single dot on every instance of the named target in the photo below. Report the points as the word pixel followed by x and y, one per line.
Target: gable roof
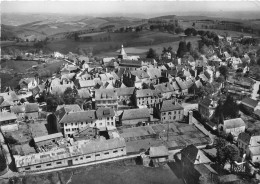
pixel 158 151
pixel 190 152
pixel 105 112
pixel 47 137
pixel 184 84
pixel 31 107
pixel 18 109
pixel 68 108
pixel 87 83
pixel 105 94
pixel 140 74
pixel 164 87
pixel 249 101
pixel 154 73
pixel 60 89
pixel 79 116
pixel 146 93
pixel 234 123
pixel 170 105
pixel 7 116
pixel 84 93
pixel 135 114
pixel 125 91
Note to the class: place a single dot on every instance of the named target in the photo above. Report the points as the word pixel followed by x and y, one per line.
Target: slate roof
pixel 130 114
pixel 79 116
pixel 234 123
pixel 245 137
pixel 170 105
pixel 125 91
pixel 184 84
pixel 68 108
pixel 140 74
pixel 257 112
pixel 5 104
pixel 160 151
pixel 7 116
pixel 250 102
pixel 164 87
pixel 31 107
pixel 47 137
pixel 102 94
pixel 18 109
pixel 190 152
pixel 146 93
pixel 84 93
pixel 154 73
pixel 10 96
pixel 128 62
pixel 87 83
pixel 105 112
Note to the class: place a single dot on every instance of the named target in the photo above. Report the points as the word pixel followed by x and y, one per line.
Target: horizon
pixel 141 9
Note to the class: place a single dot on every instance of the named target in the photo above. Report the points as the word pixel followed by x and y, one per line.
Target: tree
pixel 151 54
pixel 182 50
pixel 223 70
pixel 70 95
pixel 53 101
pixel 230 108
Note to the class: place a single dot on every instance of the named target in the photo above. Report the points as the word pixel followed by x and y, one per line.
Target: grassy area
pixel 18 66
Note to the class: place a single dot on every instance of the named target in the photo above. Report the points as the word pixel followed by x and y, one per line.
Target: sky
pixel 126 7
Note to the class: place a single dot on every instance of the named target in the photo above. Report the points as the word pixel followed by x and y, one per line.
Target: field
pixel 18 65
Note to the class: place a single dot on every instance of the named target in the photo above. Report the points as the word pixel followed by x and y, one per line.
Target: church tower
pixel 122 53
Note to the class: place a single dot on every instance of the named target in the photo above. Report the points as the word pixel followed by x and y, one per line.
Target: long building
pixel 81 152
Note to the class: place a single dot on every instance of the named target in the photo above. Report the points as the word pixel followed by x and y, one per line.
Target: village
pixel 197 110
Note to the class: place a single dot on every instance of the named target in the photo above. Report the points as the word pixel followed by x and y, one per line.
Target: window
pixel 81 158
pixel 76 159
pixel 100 124
pixel 179 112
pixel 65 124
pixel 115 151
pixel 38 166
pixel 106 153
pixel 174 117
pixel 58 162
pixel 108 123
pixel 71 124
pixel 48 164
pixel 122 149
pixel 88 157
pixel 97 155
pixel 27 168
pixel 170 113
pixel 111 118
pixel 81 123
pixel 112 123
pixel 108 118
pixel 76 123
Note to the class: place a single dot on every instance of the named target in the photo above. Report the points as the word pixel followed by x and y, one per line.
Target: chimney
pixel 190 113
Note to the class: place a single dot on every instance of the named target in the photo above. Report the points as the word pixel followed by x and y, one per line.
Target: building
pixel 207 107
pixel 47 139
pixel 8 122
pixel 105 119
pixel 80 153
pixel 89 84
pixel 147 97
pixel 28 83
pixel 31 111
pixel 106 98
pixel 154 74
pixel 184 85
pixel 250 104
pixel 250 145
pixel 135 117
pixel 136 78
pixel 158 154
pixel 125 96
pixel 234 126
pixel 170 110
pixel 166 89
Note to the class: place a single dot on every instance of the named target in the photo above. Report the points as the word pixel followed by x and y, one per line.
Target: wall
pixel 175 115
pixel 81 159
pixel 133 122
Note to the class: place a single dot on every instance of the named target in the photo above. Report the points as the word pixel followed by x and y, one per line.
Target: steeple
pixel 122 53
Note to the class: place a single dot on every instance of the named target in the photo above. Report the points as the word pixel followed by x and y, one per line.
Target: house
pixel 125 96
pixel 184 85
pixel 88 84
pixel 8 122
pixel 250 104
pixel 159 154
pixel 136 78
pixel 81 153
pixel 18 110
pixel 10 97
pixel 250 145
pixel 46 139
pixel 72 122
pixel 135 117
pixel 234 126
pixel 154 75
pixel 207 107
pixel 28 83
pixel 105 119
pixel 170 110
pixel 60 88
pixel 31 110
pixel 147 97
pixel 4 105
pixel 191 157
pixel 106 98
pixel 166 89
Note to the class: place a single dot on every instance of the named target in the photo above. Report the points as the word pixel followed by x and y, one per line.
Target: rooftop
pixel 135 114
pixel 79 116
pixel 170 105
pixel 125 91
pixel 105 112
pixel 250 102
pixel 31 107
pixel 102 94
pixel 233 123
pixel 4 116
pixel 159 151
pixel 47 137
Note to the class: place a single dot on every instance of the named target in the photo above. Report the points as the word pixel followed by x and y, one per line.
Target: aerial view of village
pixel 135 92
